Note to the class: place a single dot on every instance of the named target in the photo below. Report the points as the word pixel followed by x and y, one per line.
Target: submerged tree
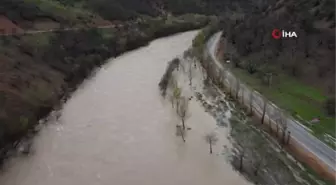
pixel 190 74
pixel 182 109
pixel 211 139
pixel 176 97
pixel 180 132
pixel 175 93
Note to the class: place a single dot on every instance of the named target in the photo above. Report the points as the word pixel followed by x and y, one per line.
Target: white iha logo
pixel 277 34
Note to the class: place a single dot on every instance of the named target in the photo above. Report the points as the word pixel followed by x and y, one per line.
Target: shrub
pixel 251 67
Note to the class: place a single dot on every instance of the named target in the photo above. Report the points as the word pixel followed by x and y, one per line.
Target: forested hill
pixel 31 13
pixel 310 57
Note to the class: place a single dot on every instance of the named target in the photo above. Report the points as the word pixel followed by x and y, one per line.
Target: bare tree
pixel 171 96
pixel 240 151
pixel 180 132
pixel 176 96
pixel 269 77
pixel 190 74
pixel 195 62
pixel 172 99
pixel 211 139
pixel 182 109
pixel 288 137
pixel 279 122
pixel 284 127
pixel 259 158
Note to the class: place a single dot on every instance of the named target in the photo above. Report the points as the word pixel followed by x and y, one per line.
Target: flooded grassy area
pixel 252 151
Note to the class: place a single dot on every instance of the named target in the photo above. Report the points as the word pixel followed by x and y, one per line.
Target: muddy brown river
pixel 116 129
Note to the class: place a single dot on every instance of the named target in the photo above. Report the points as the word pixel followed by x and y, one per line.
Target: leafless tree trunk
pixel 288 137
pixel 190 74
pixel 211 139
pixel 182 134
pixel 182 110
pixel 269 77
pixel 284 130
pixel 241 158
pixel 172 100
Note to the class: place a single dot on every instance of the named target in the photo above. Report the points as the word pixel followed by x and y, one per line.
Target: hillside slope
pixel 297 74
pixel 310 57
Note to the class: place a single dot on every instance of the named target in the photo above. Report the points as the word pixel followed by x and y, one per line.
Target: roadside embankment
pixel 286 130
pixel 38 70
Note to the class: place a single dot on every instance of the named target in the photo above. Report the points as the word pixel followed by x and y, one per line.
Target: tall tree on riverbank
pixel 211 139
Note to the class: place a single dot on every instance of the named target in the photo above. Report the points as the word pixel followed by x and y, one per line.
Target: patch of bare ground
pixel 44 25
pixel 99 21
pixel 8 27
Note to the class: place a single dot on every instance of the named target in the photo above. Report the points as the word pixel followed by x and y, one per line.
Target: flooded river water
pixel 116 129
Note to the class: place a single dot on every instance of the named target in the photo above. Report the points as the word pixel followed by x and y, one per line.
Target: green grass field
pixel 300 100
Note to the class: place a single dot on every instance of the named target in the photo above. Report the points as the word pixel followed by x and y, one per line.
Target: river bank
pixel 40 71
pixel 278 123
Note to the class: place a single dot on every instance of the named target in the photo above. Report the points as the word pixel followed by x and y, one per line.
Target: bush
pixel 330 106
pixel 251 67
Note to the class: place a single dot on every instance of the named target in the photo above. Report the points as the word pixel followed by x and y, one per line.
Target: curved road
pixel 298 132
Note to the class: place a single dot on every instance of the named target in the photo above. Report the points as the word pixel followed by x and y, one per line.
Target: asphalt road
pixel 298 132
